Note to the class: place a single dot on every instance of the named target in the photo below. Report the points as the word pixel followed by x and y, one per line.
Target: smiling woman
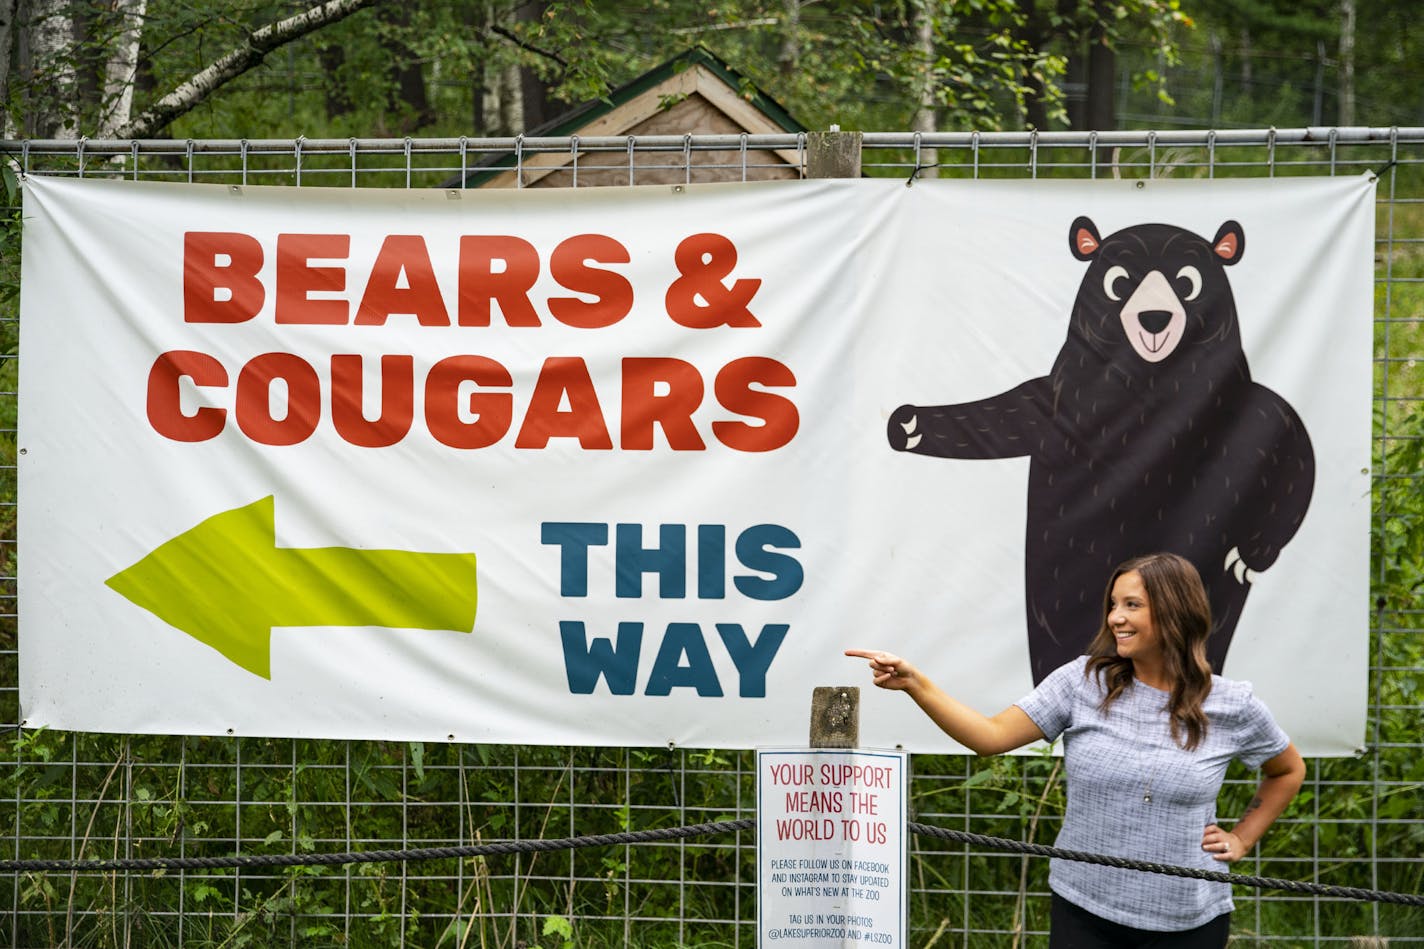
pixel 1166 651
pixel 1130 621
pixel 1148 733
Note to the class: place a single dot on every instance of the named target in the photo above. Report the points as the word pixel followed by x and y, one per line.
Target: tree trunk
pixel 88 45
pixel 121 69
pixel 1033 33
pixel 1101 112
pixel 1317 98
pixel 534 95
pixel 1347 62
pixel 533 91
pixel 51 42
pixel 1217 67
pixel 501 111
pixel 338 99
pixel 509 101
pixel 1246 61
pixel 925 119
pixel 8 9
pixel 406 74
pixel 1073 27
pixel 491 110
pixel 476 77
pixel 411 83
pixel 789 60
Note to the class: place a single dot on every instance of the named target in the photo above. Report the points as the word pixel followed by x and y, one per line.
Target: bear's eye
pixel 1193 278
pixel 1114 274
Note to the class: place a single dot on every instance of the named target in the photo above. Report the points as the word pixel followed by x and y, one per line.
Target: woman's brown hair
pixel 1181 615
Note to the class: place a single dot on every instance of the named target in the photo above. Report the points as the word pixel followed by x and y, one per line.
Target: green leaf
pixel 978 778
pixel 561 927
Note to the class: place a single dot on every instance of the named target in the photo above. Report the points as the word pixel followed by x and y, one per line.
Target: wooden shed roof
pixel 694 93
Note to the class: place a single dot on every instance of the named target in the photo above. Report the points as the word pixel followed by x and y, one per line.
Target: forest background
pixel 371 68
pixel 236 69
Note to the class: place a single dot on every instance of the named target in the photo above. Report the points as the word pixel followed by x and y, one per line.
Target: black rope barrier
pixel 1215 876
pixel 494 848
pixel 505 847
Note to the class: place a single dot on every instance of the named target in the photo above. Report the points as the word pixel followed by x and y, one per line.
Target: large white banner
pixel 635 466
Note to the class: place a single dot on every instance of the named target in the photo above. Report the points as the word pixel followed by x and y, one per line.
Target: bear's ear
pixel 1083 239
pixel 1229 243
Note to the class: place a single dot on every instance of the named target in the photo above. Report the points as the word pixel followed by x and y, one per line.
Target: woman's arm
pixel 984 735
pixel 1284 775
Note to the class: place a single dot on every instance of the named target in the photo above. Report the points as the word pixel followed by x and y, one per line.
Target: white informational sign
pixel 831 853
pixel 634 466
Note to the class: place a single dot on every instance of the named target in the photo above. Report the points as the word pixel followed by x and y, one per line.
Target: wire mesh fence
pixel 1358 822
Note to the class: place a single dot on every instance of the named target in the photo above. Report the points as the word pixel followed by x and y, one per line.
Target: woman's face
pixel 1130 619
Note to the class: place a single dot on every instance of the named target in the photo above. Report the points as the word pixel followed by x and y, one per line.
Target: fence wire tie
pixel 1387 167
pixel 915 172
pixel 505 847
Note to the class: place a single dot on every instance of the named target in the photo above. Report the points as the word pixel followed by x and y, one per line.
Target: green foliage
pixel 562 928
pixel 1281 63
pixel 1398 538
pixel 453 69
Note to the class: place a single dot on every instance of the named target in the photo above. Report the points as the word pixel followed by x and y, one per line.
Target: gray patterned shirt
pixel 1135 793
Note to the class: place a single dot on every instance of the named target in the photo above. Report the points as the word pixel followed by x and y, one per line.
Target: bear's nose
pixel 1154 321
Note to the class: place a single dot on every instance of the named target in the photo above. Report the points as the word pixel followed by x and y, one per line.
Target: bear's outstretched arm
pixel 1278 489
pixel 1007 425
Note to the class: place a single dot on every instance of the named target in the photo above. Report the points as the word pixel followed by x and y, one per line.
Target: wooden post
pixel 833 154
pixel 835 716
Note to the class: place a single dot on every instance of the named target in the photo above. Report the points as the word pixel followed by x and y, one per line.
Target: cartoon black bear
pixel 1148 434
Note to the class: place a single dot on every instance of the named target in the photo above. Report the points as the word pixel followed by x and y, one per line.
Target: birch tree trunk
pixel 121 67
pixel 510 100
pixel 51 39
pixel 925 119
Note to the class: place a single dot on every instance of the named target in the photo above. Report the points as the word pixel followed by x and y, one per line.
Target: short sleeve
pixel 1259 738
pixel 1050 706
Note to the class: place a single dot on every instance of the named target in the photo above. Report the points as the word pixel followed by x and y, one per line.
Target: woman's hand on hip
pixel 1223 845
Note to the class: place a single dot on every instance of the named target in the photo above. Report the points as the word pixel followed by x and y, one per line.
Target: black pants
pixel 1072 927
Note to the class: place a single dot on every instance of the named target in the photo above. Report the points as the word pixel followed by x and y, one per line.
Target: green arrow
pixel 226 583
